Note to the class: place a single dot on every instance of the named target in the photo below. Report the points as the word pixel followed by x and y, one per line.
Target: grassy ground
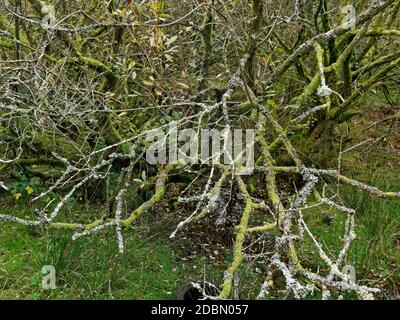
pixel 153 266
pixel 375 253
pixel 89 268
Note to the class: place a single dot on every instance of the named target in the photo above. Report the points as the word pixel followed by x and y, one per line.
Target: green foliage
pixel 24 186
pixel 87 268
pixel 376 252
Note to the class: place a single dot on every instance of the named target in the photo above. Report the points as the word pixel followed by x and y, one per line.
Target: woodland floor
pixel 154 266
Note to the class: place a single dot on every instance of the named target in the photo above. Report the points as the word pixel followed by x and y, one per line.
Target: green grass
pixel 88 268
pixel 376 253
pixel 92 268
pixel 151 268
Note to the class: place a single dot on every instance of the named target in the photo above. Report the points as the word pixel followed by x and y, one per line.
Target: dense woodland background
pixel 83 82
